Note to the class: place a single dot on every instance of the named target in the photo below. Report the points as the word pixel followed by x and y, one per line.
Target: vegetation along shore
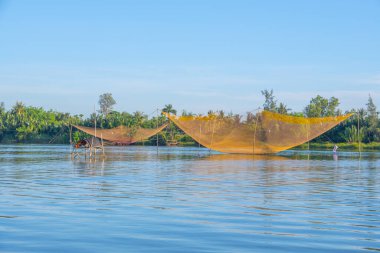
pixel 28 124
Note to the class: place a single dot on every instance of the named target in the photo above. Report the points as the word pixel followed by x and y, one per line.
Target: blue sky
pixel 196 55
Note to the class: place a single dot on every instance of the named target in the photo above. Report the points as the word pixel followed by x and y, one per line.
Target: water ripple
pixel 187 200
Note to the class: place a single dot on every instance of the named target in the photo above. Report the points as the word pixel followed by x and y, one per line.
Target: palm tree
pixel 138 118
pixel 18 111
pixel 18 108
pixel 169 109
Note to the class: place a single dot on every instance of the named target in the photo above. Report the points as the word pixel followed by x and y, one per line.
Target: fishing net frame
pixel 266 133
pixel 122 135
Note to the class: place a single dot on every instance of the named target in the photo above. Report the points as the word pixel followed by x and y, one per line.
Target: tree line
pixel 363 126
pixel 28 124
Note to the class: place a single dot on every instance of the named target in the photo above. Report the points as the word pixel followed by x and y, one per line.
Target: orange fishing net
pixel 266 132
pixel 122 134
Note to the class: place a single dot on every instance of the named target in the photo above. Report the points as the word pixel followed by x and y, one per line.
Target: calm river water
pixel 187 200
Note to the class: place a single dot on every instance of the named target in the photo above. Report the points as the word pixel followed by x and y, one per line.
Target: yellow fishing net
pixel 122 134
pixel 265 133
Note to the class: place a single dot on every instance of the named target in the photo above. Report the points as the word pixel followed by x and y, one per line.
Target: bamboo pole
pixel 71 142
pixel 95 120
pixel 308 134
pixel 157 132
pixel 359 132
pixel 92 139
pixel 101 138
pixel 71 132
pixel 254 134
pixel 200 132
pixel 213 131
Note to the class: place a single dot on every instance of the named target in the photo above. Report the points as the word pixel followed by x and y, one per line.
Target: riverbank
pixel 186 141
pixel 341 146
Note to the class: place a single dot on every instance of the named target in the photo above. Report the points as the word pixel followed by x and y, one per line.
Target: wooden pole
pixel 101 138
pixel 254 133
pixel 71 142
pixel 213 131
pixel 71 132
pixel 359 132
pixel 157 132
pixel 92 139
pixel 95 120
pixel 308 133
pixel 200 131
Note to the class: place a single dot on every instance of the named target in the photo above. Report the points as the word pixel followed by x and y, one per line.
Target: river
pixel 177 199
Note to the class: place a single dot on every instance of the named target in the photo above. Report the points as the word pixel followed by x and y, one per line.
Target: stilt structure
pixel 90 146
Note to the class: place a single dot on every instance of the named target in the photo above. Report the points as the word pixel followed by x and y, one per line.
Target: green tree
pixel 2 108
pixel 169 109
pixel 18 114
pixel 282 109
pixel 139 118
pixel 350 134
pixel 270 103
pixel 332 107
pixel 106 103
pixel 172 130
pixel 322 107
pixel 372 121
pixel 250 118
pixel 186 113
pixel 18 108
pixel 221 114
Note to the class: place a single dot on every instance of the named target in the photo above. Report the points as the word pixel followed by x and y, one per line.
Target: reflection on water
pixel 187 200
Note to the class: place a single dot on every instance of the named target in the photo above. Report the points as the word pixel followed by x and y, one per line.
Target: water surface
pixel 187 200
